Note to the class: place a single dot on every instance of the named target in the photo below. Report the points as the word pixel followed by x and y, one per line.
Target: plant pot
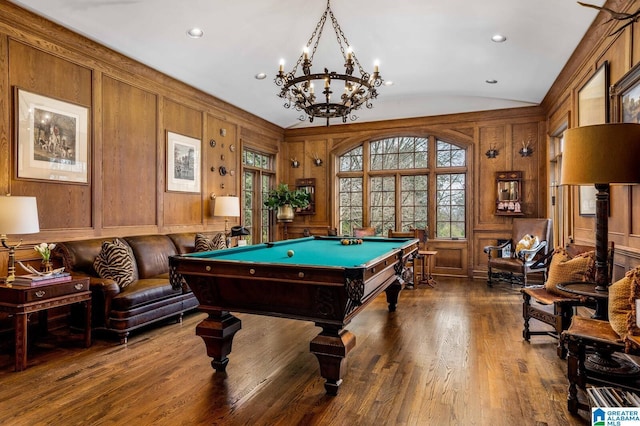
pixel 285 213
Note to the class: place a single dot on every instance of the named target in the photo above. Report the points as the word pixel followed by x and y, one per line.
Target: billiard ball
pixel 290 253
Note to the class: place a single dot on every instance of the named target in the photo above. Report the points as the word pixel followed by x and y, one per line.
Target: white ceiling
pixel 438 53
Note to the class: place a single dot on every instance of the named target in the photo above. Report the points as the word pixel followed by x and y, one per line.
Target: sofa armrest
pixel 103 290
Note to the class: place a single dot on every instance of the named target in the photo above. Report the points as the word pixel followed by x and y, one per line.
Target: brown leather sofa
pixel 149 298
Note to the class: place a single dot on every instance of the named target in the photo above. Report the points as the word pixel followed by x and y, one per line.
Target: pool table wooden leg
pixel 331 347
pixel 392 295
pixel 217 331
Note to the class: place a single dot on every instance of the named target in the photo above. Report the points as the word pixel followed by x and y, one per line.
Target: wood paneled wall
pixel 622 52
pixel 504 129
pixel 131 108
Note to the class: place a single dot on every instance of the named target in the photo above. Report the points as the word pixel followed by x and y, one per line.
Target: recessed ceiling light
pixel 261 76
pixel 388 83
pixel 195 33
pixel 498 38
pixel 491 81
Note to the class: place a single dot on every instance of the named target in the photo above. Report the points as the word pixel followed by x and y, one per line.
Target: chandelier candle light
pixel 299 91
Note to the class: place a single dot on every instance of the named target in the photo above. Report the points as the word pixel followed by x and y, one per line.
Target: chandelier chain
pixel 341 37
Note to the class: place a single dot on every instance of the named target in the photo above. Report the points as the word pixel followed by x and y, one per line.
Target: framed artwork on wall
pixel 587 200
pixel 52 139
pixel 183 163
pixel 626 97
pixel 593 107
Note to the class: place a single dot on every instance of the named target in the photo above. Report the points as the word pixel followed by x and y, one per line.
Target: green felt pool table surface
pixel 311 251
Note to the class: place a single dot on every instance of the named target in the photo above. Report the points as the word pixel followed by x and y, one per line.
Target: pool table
pixel 311 279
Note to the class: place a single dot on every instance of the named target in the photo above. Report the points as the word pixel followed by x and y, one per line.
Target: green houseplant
pixel 285 201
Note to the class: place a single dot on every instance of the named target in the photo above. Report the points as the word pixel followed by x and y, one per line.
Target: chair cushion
pixel 622 306
pixel 565 269
pixel 115 261
pixel 203 243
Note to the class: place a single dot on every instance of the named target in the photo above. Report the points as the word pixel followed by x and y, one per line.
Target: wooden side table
pixel 22 301
pixel 601 298
pixel 426 258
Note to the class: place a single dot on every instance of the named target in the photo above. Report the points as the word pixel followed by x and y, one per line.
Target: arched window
pixel 395 183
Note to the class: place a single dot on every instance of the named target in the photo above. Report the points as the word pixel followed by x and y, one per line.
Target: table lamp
pixel 18 215
pixel 226 206
pixel 601 155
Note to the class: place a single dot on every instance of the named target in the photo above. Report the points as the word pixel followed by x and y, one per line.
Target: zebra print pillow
pixel 218 242
pixel 115 262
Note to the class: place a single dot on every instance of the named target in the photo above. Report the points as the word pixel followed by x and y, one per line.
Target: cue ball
pixel 290 253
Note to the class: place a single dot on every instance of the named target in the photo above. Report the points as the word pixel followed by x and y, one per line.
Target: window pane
pixel 352 160
pixel 376 162
pixel 450 211
pixel 350 208
pixel 449 155
pixel 414 203
pixel 395 161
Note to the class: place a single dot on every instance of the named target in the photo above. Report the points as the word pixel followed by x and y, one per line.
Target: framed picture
pixel 593 107
pixel 626 96
pixel 52 142
pixel 587 200
pixel 183 163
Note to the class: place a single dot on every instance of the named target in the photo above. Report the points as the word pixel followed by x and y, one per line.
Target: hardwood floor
pixel 450 355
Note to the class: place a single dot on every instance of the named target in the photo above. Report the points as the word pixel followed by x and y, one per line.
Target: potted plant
pixel 285 201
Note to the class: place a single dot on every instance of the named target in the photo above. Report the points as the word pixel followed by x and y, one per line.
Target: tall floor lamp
pixel 227 206
pixel 601 155
pixel 18 215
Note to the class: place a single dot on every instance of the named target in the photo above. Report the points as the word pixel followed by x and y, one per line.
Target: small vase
pixel 46 266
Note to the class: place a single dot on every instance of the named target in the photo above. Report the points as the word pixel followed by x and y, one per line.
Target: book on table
pixel 32 280
pixel 612 397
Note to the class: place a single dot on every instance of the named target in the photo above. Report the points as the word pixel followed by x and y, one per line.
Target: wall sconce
pixel 295 163
pixel 317 160
pixel 492 152
pixel 526 150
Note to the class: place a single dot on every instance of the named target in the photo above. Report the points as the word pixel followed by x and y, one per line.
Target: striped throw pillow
pixel 218 242
pixel 115 262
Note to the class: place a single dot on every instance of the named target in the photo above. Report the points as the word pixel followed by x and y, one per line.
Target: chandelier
pixel 299 91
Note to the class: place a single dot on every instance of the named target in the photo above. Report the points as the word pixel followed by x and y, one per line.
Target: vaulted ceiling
pixel 438 54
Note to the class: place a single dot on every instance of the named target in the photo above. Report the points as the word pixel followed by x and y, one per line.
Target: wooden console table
pixel 21 301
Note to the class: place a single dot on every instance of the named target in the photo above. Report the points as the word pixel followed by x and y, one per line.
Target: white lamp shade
pixel 18 215
pixel 227 206
pixel 601 154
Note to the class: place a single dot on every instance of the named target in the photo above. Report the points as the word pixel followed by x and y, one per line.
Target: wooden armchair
pixel 554 309
pixel 518 265
pixel 364 232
